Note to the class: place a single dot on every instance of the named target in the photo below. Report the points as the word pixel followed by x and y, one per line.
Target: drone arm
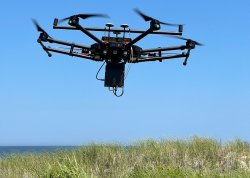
pixel 70 53
pixel 140 37
pixel 116 30
pixel 51 40
pixel 148 59
pixel 163 49
pixel 78 26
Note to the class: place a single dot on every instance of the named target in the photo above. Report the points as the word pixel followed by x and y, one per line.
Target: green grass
pixel 195 157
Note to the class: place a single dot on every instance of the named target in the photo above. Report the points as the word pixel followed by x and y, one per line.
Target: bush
pixel 195 157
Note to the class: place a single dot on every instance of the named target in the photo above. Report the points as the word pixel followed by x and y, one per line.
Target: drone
pixel 115 51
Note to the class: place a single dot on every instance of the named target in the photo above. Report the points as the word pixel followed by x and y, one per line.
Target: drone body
pixel 116 51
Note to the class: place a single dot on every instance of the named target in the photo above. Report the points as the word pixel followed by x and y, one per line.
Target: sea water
pixel 7 150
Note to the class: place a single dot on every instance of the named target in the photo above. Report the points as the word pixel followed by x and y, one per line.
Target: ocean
pixel 7 150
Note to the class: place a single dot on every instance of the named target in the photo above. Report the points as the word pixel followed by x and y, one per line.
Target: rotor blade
pixel 199 44
pixel 187 39
pixel 85 16
pixel 148 18
pixel 179 37
pixel 145 17
pixel 62 20
pixel 38 27
pixel 170 24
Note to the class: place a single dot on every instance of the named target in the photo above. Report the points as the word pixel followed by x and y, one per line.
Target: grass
pixel 196 157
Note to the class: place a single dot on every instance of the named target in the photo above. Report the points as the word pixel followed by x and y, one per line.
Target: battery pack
pixel 114 75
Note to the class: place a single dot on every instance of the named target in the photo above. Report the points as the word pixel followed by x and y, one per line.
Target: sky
pixel 58 101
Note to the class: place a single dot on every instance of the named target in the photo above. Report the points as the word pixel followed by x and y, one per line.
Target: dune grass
pixel 195 157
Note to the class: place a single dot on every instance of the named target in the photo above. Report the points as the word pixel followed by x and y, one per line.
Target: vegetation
pixel 196 157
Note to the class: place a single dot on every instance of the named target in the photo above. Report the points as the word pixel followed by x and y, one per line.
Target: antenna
pixel 124 26
pixel 109 25
pixel 116 34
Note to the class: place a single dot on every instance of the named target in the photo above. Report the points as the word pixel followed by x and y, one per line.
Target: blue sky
pixel 57 101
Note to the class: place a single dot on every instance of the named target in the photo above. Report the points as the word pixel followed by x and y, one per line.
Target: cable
pixel 130 62
pixel 115 92
pixel 99 71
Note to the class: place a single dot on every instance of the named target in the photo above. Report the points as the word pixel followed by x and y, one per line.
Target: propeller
pixel 39 28
pixel 187 39
pixel 85 16
pixel 191 43
pixel 148 18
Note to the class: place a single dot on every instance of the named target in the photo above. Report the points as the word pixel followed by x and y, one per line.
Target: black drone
pixel 116 51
